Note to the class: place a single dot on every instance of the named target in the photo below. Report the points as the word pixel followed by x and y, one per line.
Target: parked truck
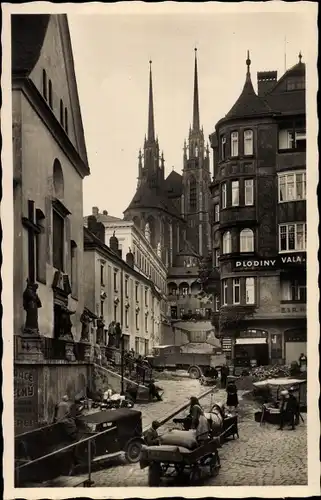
pixel 198 359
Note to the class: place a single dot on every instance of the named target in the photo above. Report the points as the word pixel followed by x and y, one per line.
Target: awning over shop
pixel 250 341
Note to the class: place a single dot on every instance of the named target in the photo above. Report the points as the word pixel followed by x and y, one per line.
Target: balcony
pixel 234 215
pixel 289 159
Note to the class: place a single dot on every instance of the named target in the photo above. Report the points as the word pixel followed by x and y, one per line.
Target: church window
pixel 58 242
pixel 44 84
pixel 234 144
pixel 101 308
pixel 227 242
pixel 224 194
pixel 50 99
pixel 235 193
pixel 61 113
pixel 66 120
pixel 115 312
pixel 115 281
pixel 246 240
pixel 137 328
pixel 102 273
pixel 248 142
pixel 192 194
pixel 146 323
pixel 73 276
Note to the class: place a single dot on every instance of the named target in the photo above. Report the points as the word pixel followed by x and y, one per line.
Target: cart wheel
pixel 133 451
pixel 154 474
pixel 194 372
pixel 195 475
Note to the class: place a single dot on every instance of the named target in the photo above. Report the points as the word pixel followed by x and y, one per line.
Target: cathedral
pixel 173 211
pixel 173 214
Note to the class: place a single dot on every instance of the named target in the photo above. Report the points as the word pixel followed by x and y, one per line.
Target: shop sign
pixel 226 344
pixel 253 334
pixel 25 399
pixel 293 309
pixel 276 262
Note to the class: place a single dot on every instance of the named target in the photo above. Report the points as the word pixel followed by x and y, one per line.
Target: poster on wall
pixel 25 399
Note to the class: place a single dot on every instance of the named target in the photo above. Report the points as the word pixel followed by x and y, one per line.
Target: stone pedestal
pixel 88 351
pixel 30 348
pixel 69 350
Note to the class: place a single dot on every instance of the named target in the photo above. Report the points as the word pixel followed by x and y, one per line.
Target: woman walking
pixel 232 398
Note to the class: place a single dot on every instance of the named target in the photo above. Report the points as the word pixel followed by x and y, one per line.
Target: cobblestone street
pixel 261 456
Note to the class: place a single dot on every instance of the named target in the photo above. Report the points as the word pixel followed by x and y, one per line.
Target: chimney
pixel 105 212
pixel 266 81
pixel 95 211
pixel 97 228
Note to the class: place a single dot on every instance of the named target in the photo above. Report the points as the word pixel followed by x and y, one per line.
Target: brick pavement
pixel 261 456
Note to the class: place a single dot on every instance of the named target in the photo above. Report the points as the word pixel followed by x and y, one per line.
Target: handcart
pixel 168 461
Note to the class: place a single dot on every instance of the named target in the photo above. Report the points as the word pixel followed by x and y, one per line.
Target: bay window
pixel 216 213
pixel 236 291
pixel 248 192
pixel 292 186
pixel 224 195
pixel 235 194
pixel 250 290
pixel 227 242
pixel 224 292
pixel 246 240
pixel 234 144
pixel 248 142
pixel 292 237
pixel 223 147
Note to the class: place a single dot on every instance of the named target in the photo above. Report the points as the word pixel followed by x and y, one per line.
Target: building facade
pixel 116 291
pixel 259 219
pixel 49 157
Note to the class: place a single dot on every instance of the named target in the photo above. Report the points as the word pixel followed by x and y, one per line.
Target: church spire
pixel 196 113
pixel 151 126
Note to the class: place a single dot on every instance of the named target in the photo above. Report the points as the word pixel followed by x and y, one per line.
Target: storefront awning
pixel 250 341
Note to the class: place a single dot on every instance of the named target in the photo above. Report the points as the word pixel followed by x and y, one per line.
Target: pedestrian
pixel 224 374
pixel 303 362
pixel 289 409
pixel 154 391
pixel 139 362
pixel 151 435
pixel 232 398
pixel 198 420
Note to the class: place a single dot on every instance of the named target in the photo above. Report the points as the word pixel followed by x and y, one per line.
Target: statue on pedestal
pixel 100 331
pixel 65 323
pixel 111 334
pixel 31 304
pixel 118 334
pixel 85 321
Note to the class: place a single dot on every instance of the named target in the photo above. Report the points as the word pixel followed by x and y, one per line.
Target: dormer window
pixel 223 147
pixel 234 144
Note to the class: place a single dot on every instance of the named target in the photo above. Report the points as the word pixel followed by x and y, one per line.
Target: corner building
pixel 259 219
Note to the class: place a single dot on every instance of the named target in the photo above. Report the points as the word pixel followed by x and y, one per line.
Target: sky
pixel 111 56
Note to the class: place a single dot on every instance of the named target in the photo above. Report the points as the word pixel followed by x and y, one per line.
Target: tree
pixel 231 318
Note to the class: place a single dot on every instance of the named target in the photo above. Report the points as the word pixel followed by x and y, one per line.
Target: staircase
pixel 112 379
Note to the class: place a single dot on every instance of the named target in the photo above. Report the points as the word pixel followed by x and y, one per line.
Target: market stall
pixel 270 411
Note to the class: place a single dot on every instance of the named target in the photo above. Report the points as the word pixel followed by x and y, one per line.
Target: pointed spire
pixel 300 57
pixel 248 64
pixel 196 113
pixel 151 127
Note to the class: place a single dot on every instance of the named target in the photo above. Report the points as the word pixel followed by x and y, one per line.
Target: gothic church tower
pixel 196 181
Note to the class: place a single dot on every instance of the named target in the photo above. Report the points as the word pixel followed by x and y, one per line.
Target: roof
pixel 103 416
pixel 248 104
pixel 147 196
pixel 104 218
pixel 27 36
pixel 174 184
pixel 281 100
